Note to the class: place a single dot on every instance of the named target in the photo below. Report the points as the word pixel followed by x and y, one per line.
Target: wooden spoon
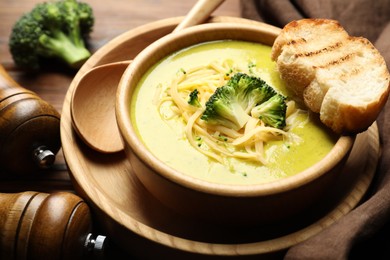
pixel 93 107
pixel 93 99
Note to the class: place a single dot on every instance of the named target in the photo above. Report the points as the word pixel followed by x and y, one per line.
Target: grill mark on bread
pixel 320 51
pixel 297 41
pixel 339 61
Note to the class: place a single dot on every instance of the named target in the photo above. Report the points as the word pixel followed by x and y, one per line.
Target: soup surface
pixel 166 138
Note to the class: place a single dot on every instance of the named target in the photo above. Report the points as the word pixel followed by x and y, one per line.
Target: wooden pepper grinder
pixel 37 225
pixel 29 128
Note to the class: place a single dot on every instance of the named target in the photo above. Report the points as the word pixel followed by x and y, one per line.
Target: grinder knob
pixel 29 128
pixel 43 157
pixel 37 225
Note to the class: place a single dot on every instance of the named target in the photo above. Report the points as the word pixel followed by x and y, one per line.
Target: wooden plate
pixel 142 226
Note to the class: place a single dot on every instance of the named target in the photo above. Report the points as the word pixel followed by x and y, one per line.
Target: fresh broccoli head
pixel 223 108
pixel 231 104
pixel 272 112
pixel 52 30
pixel 250 90
pixel 194 99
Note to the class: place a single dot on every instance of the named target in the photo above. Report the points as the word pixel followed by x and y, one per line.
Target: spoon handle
pixel 199 13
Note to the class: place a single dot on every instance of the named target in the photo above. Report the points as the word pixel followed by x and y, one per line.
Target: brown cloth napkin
pixel 364 233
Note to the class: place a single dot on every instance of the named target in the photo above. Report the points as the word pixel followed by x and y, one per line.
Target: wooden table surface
pixel 112 18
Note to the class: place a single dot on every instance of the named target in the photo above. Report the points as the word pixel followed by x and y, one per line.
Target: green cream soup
pixel 166 138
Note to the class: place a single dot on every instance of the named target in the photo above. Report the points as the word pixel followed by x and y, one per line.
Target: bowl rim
pixel 132 141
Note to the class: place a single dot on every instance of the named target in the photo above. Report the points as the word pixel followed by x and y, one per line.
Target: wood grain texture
pixel 26 123
pixel 93 107
pixel 145 228
pixel 36 224
pixel 199 13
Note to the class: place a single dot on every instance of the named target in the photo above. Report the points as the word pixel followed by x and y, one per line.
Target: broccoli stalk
pixel 231 104
pixel 272 112
pixel 52 30
pixel 60 46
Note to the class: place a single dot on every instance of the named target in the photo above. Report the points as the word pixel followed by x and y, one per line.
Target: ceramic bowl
pixel 232 204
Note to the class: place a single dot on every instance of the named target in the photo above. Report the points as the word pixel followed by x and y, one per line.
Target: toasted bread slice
pixel 343 78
